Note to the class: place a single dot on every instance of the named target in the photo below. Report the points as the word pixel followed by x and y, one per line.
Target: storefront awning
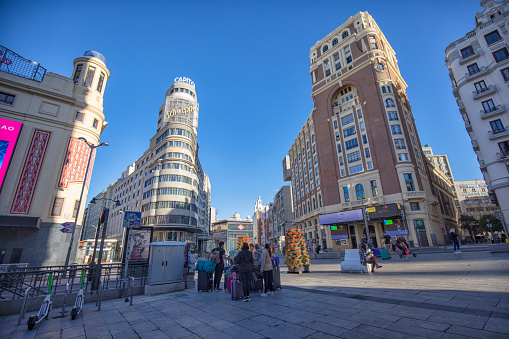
pixel 19 221
pixel 384 211
pixel 340 217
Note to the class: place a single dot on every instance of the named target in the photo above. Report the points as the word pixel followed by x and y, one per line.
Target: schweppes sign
pixel 182 110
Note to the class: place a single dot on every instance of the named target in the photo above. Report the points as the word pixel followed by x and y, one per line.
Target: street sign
pixel 132 219
pixel 65 230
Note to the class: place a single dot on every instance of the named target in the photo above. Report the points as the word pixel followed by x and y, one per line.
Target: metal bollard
pixel 131 282
pixel 62 313
pixel 100 294
pixel 23 306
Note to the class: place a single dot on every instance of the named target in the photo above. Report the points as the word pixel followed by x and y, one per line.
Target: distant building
pixel 261 222
pixel 478 65
pixel 280 216
pixel 213 215
pixel 44 117
pixel 228 230
pixel 473 198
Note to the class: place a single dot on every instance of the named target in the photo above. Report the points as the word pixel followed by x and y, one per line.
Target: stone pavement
pixel 441 295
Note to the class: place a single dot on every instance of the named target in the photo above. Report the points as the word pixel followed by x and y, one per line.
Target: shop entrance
pixel 372 235
pixel 351 230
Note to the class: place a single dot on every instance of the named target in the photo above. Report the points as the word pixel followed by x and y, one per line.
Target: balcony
pixel 468 126
pixel 468 58
pixel 500 133
pixel 475 145
pixel 483 70
pixel 484 91
pixel 415 195
pixel 496 110
pixel 501 156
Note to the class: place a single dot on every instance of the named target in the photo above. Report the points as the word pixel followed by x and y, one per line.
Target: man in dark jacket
pixel 220 266
pixel 245 262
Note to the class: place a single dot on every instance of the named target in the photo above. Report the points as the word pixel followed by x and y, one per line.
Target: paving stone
pixel 125 335
pixel 241 332
pixel 372 318
pixel 276 333
pixel 471 332
pixel 175 331
pixel 414 330
pixel 144 327
pixel 326 328
pixel 294 329
pixel 47 335
pixel 321 335
pixel 378 331
pixel 97 332
pixel 269 321
pixel 122 327
pixel 466 320
pixel 253 325
pixel 497 325
pixel 422 324
pixel 157 334
pixel 72 332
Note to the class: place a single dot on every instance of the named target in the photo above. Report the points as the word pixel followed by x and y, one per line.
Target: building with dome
pixel 46 120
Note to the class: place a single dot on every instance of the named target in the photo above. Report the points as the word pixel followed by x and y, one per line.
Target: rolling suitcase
pixel 256 283
pixel 236 287
pixel 205 281
pixel 385 254
pixel 276 278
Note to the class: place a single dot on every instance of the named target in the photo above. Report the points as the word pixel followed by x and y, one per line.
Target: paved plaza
pixel 439 294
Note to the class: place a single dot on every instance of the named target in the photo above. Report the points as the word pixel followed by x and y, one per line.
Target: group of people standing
pixel 251 257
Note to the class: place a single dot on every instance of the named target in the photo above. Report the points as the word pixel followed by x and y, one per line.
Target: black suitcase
pixel 205 281
pixel 256 283
pixel 276 278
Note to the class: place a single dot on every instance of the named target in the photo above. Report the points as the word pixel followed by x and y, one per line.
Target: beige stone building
pixel 42 186
pixel 359 147
pixel 473 198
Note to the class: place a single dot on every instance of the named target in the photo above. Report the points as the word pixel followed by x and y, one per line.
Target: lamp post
pixel 81 195
pixel 361 194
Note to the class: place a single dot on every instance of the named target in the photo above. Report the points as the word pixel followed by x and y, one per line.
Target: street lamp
pixel 360 193
pixel 81 195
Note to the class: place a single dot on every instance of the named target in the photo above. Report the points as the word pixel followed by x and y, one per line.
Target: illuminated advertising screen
pixel 9 133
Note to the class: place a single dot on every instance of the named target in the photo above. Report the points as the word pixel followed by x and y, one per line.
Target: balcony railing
pixel 502 155
pixel 481 71
pixel 494 111
pixel 13 63
pixel 475 144
pixel 468 58
pixel 484 91
pixel 468 126
pixel 499 133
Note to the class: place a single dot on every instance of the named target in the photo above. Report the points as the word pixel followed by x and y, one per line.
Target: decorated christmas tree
pixel 304 256
pixel 242 239
pixel 293 239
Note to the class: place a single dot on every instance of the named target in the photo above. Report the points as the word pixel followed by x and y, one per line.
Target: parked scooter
pixel 78 305
pixel 45 307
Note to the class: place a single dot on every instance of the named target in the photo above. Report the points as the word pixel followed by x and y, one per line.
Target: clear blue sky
pixel 249 61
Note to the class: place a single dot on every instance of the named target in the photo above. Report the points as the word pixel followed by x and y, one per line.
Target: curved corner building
pixel 167 183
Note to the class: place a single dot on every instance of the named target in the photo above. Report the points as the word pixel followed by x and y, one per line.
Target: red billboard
pixel 9 133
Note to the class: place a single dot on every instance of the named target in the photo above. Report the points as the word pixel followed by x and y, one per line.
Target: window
pixel 504 147
pixel 6 98
pixel 338 65
pixel 337 136
pixel 345 34
pixel 320 200
pixel 400 143
pixel 480 86
pixel 79 117
pixel 90 76
pixel 497 126
pixel 335 124
pixel 347 196
pixel 94 124
pixel 100 82
pixel 341 161
pixel 472 69
pixel 343 173
pixel 403 157
pixel 492 37
pixel 325 48
pixel 313 138
pixel 56 210
pixel 77 74
pixel 366 151
pixel 501 54
pixel 364 139
pixel 327 72
pixel 347 119
pixel 353 157
pixel 409 182
pixel 336 57
pixel 314 148
pixel 505 74
pixel 359 114
pixel 316 171
pixel 374 189
pixel 370 165
pixel 307 145
pixel 355 169
pixel 396 129
pixel 361 126
pixel 414 206
pixel 489 106
pixel 466 52
pixel 75 210
pixel 359 192
pixel 315 159
pixel 351 143
pixel 339 148
pixel 384 90
pixel 334 42
pixel 389 103
pixel 389 89
pixel 349 59
pixel 393 116
pixel 349 131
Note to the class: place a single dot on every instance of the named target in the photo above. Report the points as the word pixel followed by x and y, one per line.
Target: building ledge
pixel 469 58
pixel 499 109
pixel 503 133
pixel 484 92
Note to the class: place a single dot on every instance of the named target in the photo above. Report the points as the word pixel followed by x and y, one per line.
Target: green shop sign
pixel 419 224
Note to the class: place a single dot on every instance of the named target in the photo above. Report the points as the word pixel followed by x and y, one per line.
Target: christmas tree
pixel 293 249
pixel 242 239
pixel 304 256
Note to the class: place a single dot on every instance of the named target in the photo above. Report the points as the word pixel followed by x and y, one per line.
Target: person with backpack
pixel 266 268
pixel 218 255
pixel 245 262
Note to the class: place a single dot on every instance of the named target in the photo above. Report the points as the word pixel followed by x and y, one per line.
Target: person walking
pixel 266 268
pixel 455 240
pixel 367 257
pixel 244 260
pixel 387 243
pixel 218 273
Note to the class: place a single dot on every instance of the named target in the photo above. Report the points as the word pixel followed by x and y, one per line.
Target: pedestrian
pixel 244 260
pixel 218 273
pixel 318 249
pixel 252 249
pixel 387 239
pixel 400 244
pixel 367 257
pixel 455 240
pixel 257 255
pixel 266 268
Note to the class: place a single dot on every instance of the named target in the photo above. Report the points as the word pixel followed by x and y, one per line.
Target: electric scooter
pixel 45 307
pixel 78 305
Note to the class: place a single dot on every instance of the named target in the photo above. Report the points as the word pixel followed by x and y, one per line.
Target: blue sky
pixel 250 63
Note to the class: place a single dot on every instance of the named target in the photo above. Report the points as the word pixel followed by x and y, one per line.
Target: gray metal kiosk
pixel 166 267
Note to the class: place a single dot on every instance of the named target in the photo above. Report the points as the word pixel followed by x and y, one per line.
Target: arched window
pixel 325 48
pixel 314 204
pixel 345 34
pixel 389 103
pixel 334 42
pixel 359 191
